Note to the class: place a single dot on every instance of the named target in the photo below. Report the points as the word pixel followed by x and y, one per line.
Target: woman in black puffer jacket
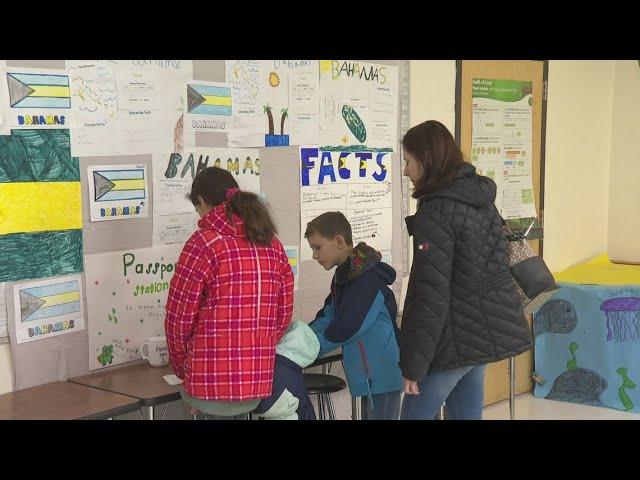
pixel 461 311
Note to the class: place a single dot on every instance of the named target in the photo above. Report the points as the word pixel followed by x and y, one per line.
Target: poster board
pixel 137 233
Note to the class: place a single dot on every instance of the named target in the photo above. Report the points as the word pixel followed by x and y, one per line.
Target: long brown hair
pixel 436 150
pixel 212 184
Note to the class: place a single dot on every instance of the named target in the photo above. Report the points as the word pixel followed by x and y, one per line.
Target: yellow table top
pixel 600 271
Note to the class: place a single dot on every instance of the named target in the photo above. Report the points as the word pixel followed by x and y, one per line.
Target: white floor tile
pixel 528 407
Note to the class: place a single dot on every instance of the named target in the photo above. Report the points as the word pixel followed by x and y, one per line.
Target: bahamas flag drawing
pixel 38 98
pixel 32 90
pixel 209 106
pixel 208 99
pixel 49 301
pixel 48 307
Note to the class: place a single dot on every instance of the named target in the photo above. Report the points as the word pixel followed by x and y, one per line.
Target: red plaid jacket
pixel 229 303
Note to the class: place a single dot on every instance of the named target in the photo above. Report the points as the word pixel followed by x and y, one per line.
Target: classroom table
pixel 140 381
pixel 145 383
pixel 64 401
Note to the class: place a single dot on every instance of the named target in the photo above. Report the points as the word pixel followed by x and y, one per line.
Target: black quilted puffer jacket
pixel 461 307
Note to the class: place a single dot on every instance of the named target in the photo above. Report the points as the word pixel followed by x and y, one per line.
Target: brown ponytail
pixel 258 223
pixel 212 184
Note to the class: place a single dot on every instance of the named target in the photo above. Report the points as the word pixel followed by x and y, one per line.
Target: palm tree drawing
pixel 267 110
pixel 285 114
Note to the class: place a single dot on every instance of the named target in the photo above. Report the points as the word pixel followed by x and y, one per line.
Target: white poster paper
pixel 276 102
pixel 48 308
pixel 209 106
pixel 126 297
pixel 118 192
pixel 139 108
pixel 174 217
pixel 246 89
pixel 358 184
pixel 38 98
pixel 517 195
pixel 358 106
pixel 136 104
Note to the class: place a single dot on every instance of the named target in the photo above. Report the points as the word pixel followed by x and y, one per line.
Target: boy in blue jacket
pixel 358 315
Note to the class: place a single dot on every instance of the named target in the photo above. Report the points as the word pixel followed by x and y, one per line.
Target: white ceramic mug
pixel 157 353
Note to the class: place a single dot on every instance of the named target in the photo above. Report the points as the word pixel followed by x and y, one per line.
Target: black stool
pixel 323 385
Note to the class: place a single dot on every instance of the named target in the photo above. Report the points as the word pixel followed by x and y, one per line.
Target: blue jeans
pixel 386 406
pixel 462 390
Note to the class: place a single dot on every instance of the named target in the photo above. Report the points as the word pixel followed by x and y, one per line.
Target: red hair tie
pixel 231 192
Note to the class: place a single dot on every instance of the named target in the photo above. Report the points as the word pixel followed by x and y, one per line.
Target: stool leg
pixel 354 408
pixel 332 412
pixel 363 408
pixel 320 409
pixel 325 407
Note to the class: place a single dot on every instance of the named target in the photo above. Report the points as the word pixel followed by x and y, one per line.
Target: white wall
pixel 624 229
pixel 433 97
pixel 433 92
pixel 579 107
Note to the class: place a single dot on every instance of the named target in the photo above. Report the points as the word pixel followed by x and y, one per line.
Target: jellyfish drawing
pixel 623 319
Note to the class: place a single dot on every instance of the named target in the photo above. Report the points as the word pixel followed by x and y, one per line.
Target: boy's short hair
pixel 328 225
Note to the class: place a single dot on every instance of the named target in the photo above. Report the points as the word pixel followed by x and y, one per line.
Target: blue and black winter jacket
pixel 360 315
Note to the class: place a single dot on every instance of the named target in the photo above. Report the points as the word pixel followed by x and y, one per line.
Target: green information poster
pixel 501 144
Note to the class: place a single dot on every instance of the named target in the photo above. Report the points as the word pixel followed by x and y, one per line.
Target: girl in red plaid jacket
pixel 231 297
